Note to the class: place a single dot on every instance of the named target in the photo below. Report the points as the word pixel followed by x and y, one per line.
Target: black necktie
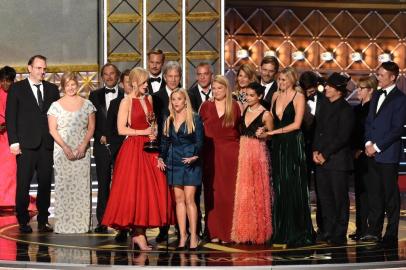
pixel 207 95
pixel 382 91
pixel 157 79
pixel 110 90
pixel 39 96
pixel 311 98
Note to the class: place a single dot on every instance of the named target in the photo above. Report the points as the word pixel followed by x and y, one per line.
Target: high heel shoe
pixel 137 244
pixel 197 245
pixel 184 247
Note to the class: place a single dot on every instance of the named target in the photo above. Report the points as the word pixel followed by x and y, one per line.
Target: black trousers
pixel 31 160
pixel 361 196
pixel 383 196
pixel 103 161
pixel 334 202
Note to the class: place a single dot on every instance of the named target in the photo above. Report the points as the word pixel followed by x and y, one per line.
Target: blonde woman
pixel 221 119
pixel 246 74
pixel 71 122
pixel 181 144
pixel 139 196
pixel 291 222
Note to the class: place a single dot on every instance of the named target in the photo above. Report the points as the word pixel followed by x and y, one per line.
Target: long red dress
pixel 220 160
pixel 8 166
pixel 139 193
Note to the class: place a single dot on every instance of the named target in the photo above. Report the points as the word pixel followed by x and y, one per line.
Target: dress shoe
pixel 338 241
pixel 25 228
pixel 370 238
pixel 101 229
pixel 354 236
pixel 162 237
pixel 389 241
pixel 44 228
pixel 121 236
pixel 321 237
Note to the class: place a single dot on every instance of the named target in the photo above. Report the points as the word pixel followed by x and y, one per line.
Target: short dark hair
pixel 308 80
pixel 109 65
pixel 158 52
pixel 39 56
pixel 271 60
pixel 392 67
pixel 125 73
pixel 257 87
pixel 7 73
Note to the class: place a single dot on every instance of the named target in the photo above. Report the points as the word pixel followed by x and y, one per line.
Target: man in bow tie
pixel 202 89
pixel 268 69
pixel 383 130
pixel 27 125
pixel 101 99
pixel 156 60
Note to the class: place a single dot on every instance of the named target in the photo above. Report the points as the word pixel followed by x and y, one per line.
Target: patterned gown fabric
pixel 220 158
pixel 252 205
pixel 292 224
pixel 139 196
pixel 72 178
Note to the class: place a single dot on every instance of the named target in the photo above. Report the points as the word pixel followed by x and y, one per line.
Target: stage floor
pixel 38 249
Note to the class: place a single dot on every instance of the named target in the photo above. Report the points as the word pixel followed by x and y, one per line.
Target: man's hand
pixel 103 140
pixel 15 150
pixel 370 150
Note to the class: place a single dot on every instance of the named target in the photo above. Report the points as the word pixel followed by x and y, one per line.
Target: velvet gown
pixel 292 224
pixel 220 160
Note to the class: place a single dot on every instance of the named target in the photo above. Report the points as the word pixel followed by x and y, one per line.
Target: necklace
pixel 253 110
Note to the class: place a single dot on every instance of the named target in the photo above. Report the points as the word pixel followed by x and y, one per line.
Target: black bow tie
pixel 110 90
pixel 157 79
pixel 382 91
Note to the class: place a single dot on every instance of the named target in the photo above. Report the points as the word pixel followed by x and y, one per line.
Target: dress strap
pixel 294 96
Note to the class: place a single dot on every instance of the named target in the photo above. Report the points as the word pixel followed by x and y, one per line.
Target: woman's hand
pixel 161 164
pixel 261 133
pixel 189 160
pixel 68 152
pixel 81 151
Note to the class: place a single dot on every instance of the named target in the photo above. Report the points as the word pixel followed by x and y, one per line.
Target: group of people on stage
pixel 253 151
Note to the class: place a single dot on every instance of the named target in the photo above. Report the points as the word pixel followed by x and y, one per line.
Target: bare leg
pixel 192 214
pixel 181 214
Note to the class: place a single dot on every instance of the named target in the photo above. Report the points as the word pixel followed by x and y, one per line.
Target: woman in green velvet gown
pixel 292 225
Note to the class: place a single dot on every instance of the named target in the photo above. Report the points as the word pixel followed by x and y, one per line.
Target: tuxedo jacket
pixel 111 131
pixel 334 127
pixel 98 98
pixel 385 127
pixel 160 101
pixel 26 123
pixel 309 120
pixel 267 100
pixel 151 91
pixel 195 98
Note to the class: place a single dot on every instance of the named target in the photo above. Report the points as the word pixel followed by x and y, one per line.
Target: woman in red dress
pixel 221 120
pixel 139 196
pixel 8 166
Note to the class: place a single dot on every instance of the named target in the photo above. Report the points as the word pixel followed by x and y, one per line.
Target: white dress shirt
pixel 267 88
pixel 110 96
pixel 312 105
pixel 34 89
pixel 203 96
pixel 156 85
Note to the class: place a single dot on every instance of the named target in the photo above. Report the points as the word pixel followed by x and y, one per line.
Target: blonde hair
pixel 368 82
pixel 228 120
pixel 190 124
pixel 138 75
pixel 66 77
pixel 293 77
pixel 251 73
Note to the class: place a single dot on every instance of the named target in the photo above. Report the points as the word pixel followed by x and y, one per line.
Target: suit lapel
pixel 102 101
pixel 30 93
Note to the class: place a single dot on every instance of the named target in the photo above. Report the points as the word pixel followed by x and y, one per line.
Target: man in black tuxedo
pixel 333 157
pixel 202 90
pixel 156 60
pixel 172 74
pixel 384 126
pixel 309 82
pixel 101 99
pixel 26 119
pixel 268 69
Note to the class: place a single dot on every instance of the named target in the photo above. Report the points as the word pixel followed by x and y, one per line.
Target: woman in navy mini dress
pixel 181 144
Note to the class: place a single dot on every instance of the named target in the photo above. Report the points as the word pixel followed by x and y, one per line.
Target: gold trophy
pixel 152 145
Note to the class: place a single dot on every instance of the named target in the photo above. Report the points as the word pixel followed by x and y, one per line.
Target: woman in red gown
pixel 139 196
pixel 8 166
pixel 221 120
